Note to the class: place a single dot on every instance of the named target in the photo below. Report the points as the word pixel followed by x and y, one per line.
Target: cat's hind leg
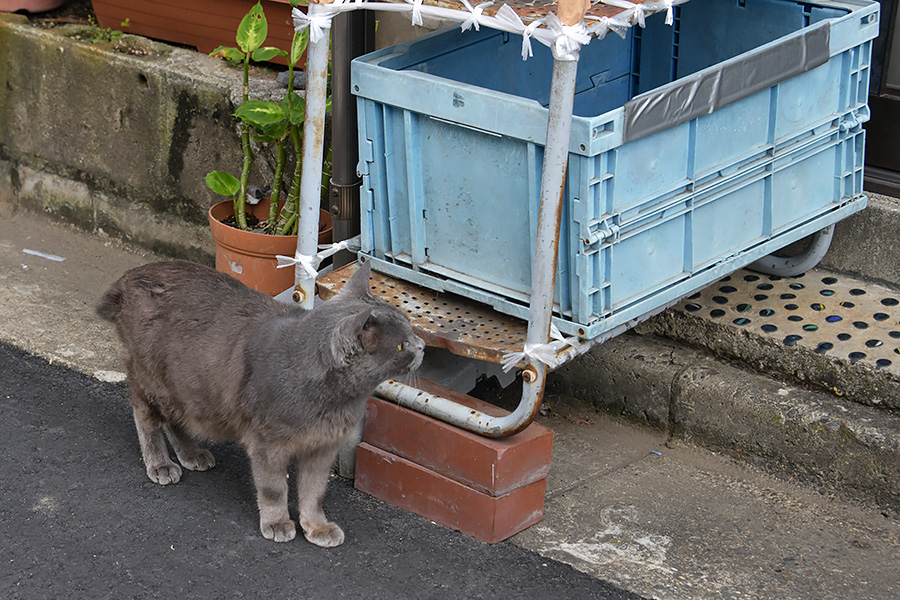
pixel 149 423
pixel 270 476
pixel 190 455
pixel 313 469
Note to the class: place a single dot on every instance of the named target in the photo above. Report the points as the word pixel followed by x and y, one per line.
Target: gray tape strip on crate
pixel 710 89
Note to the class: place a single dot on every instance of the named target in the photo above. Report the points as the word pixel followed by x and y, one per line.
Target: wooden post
pixel 571 12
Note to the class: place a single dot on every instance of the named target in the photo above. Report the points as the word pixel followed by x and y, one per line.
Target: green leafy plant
pixel 95 34
pixel 276 123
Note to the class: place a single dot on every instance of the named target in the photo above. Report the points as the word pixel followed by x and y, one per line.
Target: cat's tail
pixel 110 303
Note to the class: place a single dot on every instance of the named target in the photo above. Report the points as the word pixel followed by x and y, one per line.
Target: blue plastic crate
pixel 696 149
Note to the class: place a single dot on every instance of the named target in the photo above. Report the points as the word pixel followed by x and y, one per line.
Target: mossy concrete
pixel 118 138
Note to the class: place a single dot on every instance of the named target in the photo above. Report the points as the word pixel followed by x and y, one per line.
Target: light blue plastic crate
pixel 695 150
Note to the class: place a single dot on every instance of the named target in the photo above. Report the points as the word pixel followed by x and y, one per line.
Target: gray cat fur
pixel 209 358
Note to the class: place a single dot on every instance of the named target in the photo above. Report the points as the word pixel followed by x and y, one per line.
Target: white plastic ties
pixel 567 39
pixel 634 13
pixel 310 264
pixel 564 41
pixel 670 11
pixel 416 12
pixel 509 17
pixel 474 18
pixel 607 24
pixel 544 353
pixel 638 15
pixel 318 19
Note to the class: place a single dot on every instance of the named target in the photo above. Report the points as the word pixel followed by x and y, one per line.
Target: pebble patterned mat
pixel 829 314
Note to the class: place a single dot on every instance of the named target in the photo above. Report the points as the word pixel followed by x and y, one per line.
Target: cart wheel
pixel 789 266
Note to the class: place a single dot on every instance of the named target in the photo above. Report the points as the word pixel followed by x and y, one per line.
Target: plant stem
pixel 240 216
pixel 290 206
pixel 290 228
pixel 277 183
pixel 274 216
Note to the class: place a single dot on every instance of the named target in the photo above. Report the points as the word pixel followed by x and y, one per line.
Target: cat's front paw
pixel 279 531
pixel 328 535
pixel 201 461
pixel 164 474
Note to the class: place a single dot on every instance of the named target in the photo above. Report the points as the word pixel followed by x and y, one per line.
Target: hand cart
pixel 740 158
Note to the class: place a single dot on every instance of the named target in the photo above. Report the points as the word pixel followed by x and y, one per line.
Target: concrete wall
pixel 118 139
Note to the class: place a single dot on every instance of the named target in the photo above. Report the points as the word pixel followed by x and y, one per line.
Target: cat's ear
pixel 352 337
pixel 358 286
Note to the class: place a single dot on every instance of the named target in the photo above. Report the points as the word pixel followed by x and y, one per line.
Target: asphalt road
pixel 80 519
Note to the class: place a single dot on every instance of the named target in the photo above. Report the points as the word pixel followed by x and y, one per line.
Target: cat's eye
pixel 400 347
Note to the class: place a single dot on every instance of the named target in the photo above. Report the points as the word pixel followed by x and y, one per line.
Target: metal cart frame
pixel 542 351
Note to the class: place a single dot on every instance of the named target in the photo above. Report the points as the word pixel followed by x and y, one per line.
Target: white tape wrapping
pixel 544 353
pixel 310 264
pixel 318 18
pixel 567 39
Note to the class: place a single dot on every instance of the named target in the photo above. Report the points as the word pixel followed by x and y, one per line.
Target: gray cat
pixel 209 358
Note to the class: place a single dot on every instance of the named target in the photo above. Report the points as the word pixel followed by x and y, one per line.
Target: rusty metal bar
pixel 311 174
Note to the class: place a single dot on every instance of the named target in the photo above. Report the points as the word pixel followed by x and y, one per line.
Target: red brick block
pixel 493 467
pixel 424 492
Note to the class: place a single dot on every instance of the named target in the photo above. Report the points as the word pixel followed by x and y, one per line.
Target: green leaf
pixel 272 132
pixel 295 108
pixel 252 31
pixel 223 183
pixel 268 53
pixel 229 53
pixel 259 113
pixel 298 46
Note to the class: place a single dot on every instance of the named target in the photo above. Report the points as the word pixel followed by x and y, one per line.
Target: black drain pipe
pixel 353 36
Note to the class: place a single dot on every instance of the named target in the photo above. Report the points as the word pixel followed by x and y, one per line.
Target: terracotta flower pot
pixel 203 24
pixel 249 256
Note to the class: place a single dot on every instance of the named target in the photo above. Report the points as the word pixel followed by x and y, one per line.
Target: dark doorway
pixel 883 130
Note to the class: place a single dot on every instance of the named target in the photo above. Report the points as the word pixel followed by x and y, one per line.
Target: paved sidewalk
pixel 624 504
pixel 80 520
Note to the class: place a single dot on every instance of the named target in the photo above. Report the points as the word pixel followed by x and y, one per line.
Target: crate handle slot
pixel 464 126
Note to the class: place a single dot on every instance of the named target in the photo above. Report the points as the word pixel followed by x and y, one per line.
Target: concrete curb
pixel 856 382
pixel 821 439
pixel 865 244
